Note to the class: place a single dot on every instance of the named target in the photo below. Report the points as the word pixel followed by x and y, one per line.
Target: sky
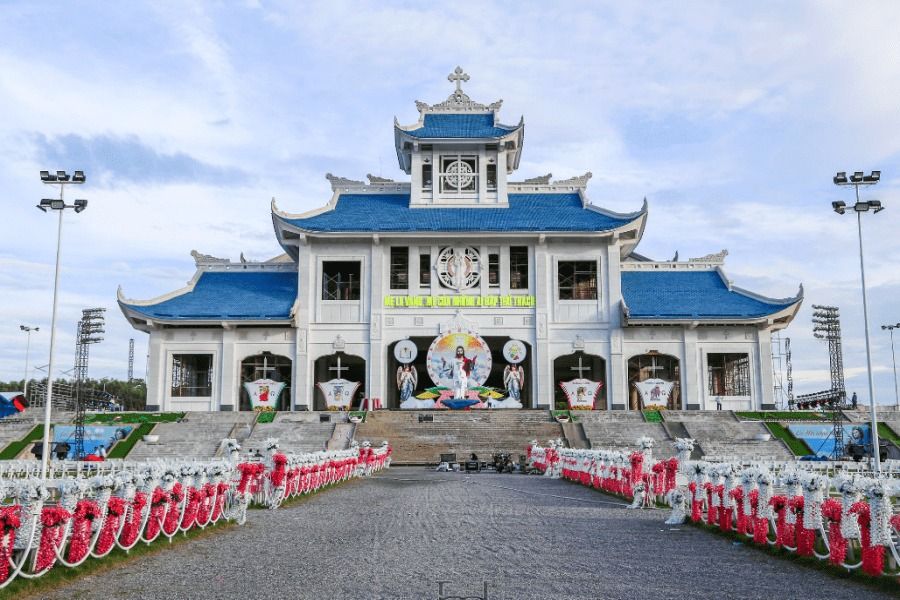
pixel 731 118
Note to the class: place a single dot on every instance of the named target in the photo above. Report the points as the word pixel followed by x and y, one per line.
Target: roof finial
pixel 458 76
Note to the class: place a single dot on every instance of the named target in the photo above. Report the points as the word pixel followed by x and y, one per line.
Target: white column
pixel 539 281
pixel 617 384
pixel 764 386
pixel 228 372
pixel 156 372
pixel 375 366
pixel 308 294
pixel 692 391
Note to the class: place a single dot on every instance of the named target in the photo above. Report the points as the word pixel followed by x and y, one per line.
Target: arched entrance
pixel 266 366
pixel 494 380
pixel 339 366
pixel 654 365
pixel 574 366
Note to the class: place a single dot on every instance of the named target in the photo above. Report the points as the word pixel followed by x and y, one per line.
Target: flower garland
pixel 779 506
pixel 132 528
pixel 158 502
pixel 53 518
pixel 805 537
pixel 872 556
pixel 696 510
pixel 832 511
pixel 725 516
pixel 10 521
pixel 82 527
pixel 737 494
pixel 173 515
pixel 278 472
pixel 712 509
pixel 115 511
pixel 671 472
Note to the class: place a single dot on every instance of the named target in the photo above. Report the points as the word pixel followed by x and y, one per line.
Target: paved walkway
pixel 399 534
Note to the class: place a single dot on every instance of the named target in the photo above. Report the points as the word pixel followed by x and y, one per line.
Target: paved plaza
pixel 402 532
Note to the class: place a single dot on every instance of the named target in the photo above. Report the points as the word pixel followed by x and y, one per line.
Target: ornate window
pixel 340 280
pixel 192 375
pixel 426 177
pixel 728 374
pixel 459 174
pixel 399 267
pixel 424 268
pixel 459 268
pixel 493 270
pixel 577 280
pixel 518 267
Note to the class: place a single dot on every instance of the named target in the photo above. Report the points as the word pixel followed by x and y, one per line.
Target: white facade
pixel 601 326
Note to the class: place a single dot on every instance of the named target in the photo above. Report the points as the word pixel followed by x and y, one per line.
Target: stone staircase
pixel 621 430
pixel 198 434
pixel 720 437
pixel 297 431
pixel 420 437
pixel 15 431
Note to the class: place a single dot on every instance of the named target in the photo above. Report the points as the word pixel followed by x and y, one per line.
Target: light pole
pixel 891 329
pixel 856 180
pixel 62 179
pixel 27 331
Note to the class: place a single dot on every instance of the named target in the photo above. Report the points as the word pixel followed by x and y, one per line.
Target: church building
pixel 460 287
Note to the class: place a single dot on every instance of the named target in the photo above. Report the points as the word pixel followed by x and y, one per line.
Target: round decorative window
pixel 459 268
pixel 460 175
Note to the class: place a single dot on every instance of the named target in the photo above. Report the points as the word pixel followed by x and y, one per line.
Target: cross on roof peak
pixel 458 76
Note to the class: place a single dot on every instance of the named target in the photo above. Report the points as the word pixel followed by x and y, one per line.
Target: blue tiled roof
pixel 248 295
pixel 689 295
pixel 460 126
pixel 526 212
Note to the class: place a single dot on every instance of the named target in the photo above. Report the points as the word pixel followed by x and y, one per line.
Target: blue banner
pixel 821 437
pixel 95 437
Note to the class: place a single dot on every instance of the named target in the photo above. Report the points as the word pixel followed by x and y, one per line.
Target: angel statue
pixel 513 376
pixel 407 380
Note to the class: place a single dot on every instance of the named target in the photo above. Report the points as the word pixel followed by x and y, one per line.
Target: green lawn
pixel 653 416
pixel 797 446
pixel 116 418
pixel 779 415
pixel 886 433
pixel 123 447
pixel 14 448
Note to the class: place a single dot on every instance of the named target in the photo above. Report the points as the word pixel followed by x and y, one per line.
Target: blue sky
pixel 730 118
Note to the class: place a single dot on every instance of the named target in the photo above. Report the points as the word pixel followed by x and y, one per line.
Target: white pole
pixel 27 350
pixel 862 271
pixel 45 454
pixel 894 361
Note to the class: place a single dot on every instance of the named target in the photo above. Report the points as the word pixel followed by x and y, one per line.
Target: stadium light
pixel 27 331
pixel 857 179
pixel 57 204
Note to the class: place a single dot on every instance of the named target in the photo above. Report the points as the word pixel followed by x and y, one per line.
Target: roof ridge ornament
pixel 208 259
pixel 579 181
pixel 540 180
pixel 340 182
pixel 458 101
pixel 718 258
pixel 375 179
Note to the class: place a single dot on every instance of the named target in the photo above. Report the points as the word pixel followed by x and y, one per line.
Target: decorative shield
pixel 442 357
pixel 264 393
pixel 405 351
pixel 338 393
pixel 514 351
pixel 655 392
pixel 581 393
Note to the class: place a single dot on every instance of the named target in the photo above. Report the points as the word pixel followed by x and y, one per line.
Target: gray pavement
pixel 397 535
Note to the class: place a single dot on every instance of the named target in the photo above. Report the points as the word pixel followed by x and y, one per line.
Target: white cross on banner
pixel 582 393
pixel 264 393
pixel 338 393
pixel 655 392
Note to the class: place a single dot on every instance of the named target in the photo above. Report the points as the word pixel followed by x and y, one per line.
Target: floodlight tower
pixel 62 179
pixel 891 329
pixel 90 328
pixel 130 360
pixel 857 179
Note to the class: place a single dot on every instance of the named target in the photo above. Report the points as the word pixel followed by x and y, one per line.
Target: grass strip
pixel 797 446
pixel 653 416
pixel 133 417
pixel 266 417
pixel 13 449
pixel 778 415
pixel 886 433
pixel 123 447
pixel 59 576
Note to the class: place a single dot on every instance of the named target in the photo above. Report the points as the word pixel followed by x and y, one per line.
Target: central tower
pixel 458 153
